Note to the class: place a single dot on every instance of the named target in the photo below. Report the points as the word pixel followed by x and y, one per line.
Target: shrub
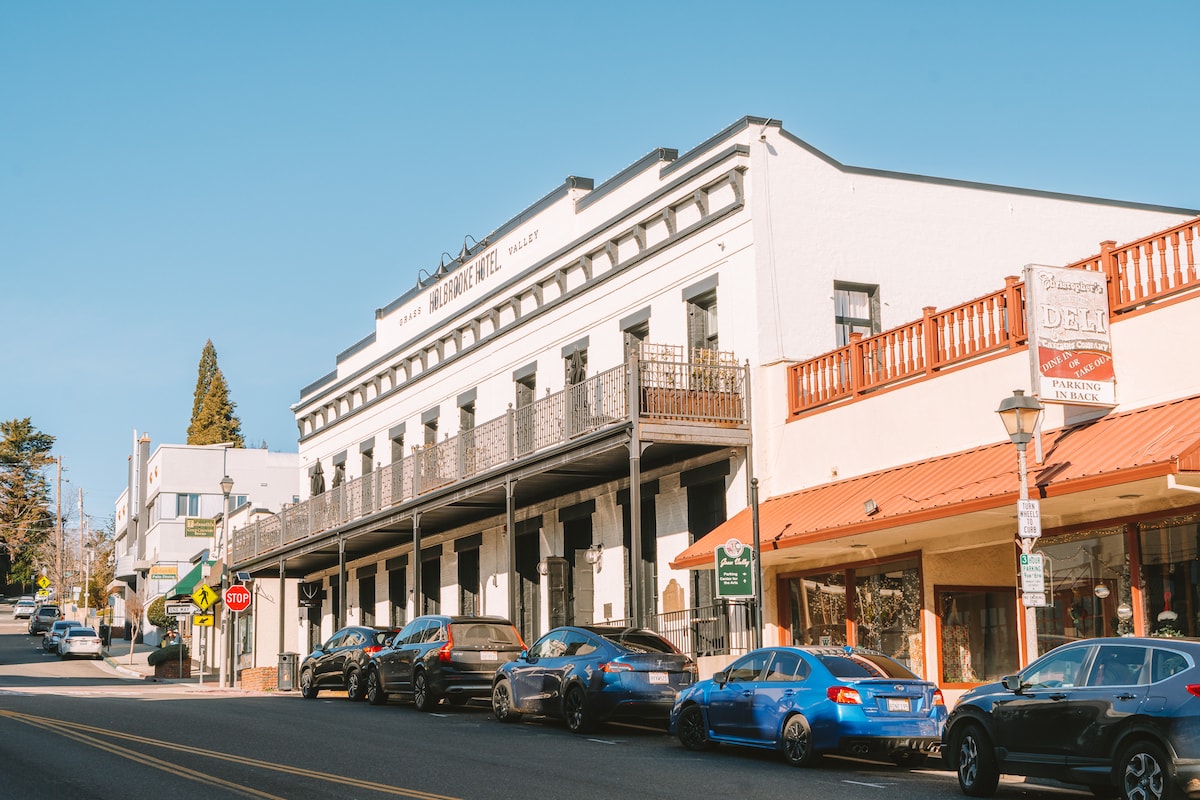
pixel 168 653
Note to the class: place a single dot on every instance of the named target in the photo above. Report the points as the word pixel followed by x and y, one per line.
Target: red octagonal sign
pixel 237 598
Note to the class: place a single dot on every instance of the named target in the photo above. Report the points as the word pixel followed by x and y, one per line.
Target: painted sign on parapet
pixel 1069 340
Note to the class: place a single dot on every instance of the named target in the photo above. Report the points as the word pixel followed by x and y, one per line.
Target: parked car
pixel 43 617
pixel 79 641
pixel 1119 715
pixel 436 657
pixel 807 701
pixel 54 633
pixel 591 674
pixel 340 662
pixel 23 608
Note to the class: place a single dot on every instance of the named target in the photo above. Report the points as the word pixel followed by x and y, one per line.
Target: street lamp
pixel 1020 415
pixel 227 654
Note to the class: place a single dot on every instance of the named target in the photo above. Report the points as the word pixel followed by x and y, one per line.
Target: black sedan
pixel 1118 715
pixel 437 656
pixel 340 662
pixel 587 675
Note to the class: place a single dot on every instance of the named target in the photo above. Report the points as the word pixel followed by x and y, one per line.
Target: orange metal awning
pixel 1149 442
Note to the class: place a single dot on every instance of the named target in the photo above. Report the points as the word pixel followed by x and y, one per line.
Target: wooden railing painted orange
pixel 1139 273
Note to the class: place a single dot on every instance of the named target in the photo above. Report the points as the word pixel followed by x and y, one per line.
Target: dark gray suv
pixel 436 657
pixel 43 617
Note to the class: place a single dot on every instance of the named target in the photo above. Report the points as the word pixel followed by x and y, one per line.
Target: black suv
pixel 1118 715
pixel 338 664
pixel 437 657
pixel 43 617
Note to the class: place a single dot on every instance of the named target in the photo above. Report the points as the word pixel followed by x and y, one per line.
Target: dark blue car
pixel 1119 715
pixel 806 701
pixel 587 675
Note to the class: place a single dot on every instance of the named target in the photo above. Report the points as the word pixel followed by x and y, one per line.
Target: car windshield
pixel 641 642
pixel 864 665
pixel 480 634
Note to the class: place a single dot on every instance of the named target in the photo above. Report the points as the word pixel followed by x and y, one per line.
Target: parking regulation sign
pixel 1029 519
pixel 1033 573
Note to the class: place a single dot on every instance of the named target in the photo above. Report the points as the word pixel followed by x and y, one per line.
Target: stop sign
pixel 237 598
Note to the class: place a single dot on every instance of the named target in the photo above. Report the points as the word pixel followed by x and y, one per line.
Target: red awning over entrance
pixel 1150 442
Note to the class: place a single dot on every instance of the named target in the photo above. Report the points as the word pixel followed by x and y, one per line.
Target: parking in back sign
pixel 735 573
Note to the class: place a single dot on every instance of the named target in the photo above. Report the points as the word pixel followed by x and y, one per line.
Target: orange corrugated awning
pixel 1145 443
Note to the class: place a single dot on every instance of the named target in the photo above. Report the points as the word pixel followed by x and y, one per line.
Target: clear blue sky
pixel 267 174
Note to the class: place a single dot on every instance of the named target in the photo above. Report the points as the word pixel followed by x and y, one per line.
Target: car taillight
pixel 372 649
pixel 844 695
pixel 938 700
pixel 444 652
pixel 615 666
pixel 1193 689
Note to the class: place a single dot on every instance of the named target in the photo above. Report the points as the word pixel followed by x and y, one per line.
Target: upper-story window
pixel 701 299
pixel 855 309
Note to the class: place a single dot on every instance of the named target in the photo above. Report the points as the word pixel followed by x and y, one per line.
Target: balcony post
pixel 635 492
pixel 929 339
pixel 1112 271
pixel 510 433
pixel 510 530
pixel 1014 311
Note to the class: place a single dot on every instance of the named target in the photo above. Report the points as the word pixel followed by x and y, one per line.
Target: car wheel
pixel 691 730
pixel 502 703
pixel 354 686
pixel 423 697
pixel 797 742
pixel 376 696
pixel 978 773
pixel 308 689
pixel 575 711
pixel 1145 772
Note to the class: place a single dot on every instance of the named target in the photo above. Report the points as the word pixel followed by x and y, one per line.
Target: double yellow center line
pixel 84 735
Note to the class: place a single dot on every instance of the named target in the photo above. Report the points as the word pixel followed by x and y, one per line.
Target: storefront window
pixel 888 602
pixel 1087 576
pixel 1170 574
pixel 978 634
pixel 818 609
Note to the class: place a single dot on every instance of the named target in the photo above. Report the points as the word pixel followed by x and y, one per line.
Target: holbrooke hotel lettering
pixel 464 279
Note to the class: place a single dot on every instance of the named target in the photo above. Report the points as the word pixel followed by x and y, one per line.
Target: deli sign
pixel 1069 340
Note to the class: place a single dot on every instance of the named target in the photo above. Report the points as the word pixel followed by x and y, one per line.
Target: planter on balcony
pixel 702 405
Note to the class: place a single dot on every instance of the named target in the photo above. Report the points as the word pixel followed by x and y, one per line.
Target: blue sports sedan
pixel 589 674
pixel 806 701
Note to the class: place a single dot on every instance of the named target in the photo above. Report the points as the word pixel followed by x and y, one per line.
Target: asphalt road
pixel 81 730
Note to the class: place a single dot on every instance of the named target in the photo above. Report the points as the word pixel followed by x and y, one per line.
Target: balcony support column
pixel 636 601
pixel 510 533
pixel 282 605
pixel 418 597
pixel 342 587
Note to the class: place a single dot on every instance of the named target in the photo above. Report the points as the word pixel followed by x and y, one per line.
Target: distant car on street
pixel 438 657
pixel 23 608
pixel 43 617
pixel 340 662
pixel 54 633
pixel 77 642
pixel 807 701
pixel 1119 715
pixel 590 674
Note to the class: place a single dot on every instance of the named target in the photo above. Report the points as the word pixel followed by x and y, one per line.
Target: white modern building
pixel 170 519
pixel 541 426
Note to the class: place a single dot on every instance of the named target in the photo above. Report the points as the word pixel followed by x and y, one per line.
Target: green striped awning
pixel 188 582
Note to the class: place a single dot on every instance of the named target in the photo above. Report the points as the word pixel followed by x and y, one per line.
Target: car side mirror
pixel 1012 683
pixel 720 678
pixel 524 655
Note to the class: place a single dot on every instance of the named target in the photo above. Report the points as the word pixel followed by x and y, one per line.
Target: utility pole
pixel 58 536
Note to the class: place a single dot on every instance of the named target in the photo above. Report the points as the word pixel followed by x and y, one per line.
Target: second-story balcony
pixel 688 402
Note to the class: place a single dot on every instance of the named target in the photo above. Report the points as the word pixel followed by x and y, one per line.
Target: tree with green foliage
pixel 213 417
pixel 26 519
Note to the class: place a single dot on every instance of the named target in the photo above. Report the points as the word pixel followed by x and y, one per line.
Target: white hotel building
pixel 548 426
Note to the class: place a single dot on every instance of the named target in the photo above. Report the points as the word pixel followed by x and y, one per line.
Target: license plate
pixel 898 704
pixel 487 655
pixel 659 677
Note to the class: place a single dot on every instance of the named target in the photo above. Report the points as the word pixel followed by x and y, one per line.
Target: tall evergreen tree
pixel 213 417
pixel 25 516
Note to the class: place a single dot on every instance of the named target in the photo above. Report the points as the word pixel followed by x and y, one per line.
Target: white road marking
pixel 872 785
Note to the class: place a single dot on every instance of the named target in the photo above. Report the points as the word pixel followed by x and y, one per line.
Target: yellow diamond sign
pixel 43 582
pixel 204 596
pixel 202 620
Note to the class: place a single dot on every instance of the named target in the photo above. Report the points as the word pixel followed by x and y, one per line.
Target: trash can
pixel 286 679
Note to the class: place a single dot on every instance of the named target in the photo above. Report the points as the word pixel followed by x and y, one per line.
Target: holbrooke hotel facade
pixel 562 423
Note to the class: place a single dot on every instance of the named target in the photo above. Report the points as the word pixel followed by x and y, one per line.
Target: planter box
pixel 170 669
pixel 700 405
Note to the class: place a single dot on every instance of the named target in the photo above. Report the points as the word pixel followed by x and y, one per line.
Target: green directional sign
pixel 735 570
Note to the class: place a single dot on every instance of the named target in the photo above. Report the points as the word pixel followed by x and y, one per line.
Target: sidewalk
pixel 117 656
